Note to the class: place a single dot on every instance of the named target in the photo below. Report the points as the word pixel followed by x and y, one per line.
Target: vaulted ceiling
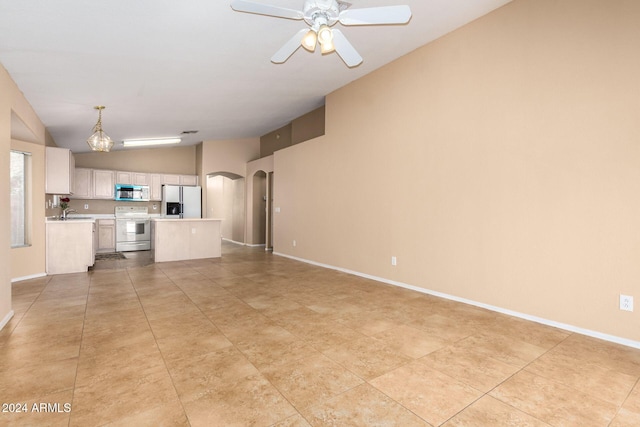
pixel 164 67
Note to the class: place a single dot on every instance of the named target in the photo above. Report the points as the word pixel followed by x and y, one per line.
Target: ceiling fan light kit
pixel 321 15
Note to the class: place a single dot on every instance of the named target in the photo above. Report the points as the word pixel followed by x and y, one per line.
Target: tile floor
pixel 253 339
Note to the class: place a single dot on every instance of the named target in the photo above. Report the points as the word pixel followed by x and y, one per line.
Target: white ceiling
pixel 164 66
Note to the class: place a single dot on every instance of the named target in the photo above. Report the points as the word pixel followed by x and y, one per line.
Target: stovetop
pixel 132 212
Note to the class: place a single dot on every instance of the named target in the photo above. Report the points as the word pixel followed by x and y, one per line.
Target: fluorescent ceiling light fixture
pixel 150 141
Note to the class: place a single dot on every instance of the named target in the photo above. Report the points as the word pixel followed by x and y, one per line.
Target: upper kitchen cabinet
pixel 171 179
pixel 83 184
pixel 103 184
pixel 188 180
pixel 59 170
pixel 134 178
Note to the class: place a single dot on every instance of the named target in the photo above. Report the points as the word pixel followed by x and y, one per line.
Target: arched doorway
pixel 259 208
pixel 225 199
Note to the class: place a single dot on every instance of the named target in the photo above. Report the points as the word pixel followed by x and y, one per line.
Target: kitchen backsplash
pixel 99 206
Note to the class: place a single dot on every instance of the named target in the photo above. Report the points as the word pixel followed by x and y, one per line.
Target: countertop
pixel 72 219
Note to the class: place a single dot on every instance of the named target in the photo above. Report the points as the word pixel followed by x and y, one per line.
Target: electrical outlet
pixel 294 243
pixel 394 260
pixel 626 302
pixel 86 206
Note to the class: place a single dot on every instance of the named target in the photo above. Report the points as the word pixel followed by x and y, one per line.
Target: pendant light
pixel 99 141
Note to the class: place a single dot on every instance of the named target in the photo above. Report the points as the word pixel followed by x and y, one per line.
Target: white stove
pixel 133 228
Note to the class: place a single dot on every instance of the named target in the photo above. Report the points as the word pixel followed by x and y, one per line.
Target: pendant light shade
pixel 99 141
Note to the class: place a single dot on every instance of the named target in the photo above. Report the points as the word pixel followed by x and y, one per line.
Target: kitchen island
pixel 70 245
pixel 186 238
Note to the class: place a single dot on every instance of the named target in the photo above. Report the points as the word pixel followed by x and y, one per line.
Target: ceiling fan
pixel 321 15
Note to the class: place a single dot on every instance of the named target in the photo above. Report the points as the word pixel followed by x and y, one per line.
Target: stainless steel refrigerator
pixel 181 201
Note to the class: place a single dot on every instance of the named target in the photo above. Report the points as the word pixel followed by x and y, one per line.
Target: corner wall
pixel 12 102
pixel 499 164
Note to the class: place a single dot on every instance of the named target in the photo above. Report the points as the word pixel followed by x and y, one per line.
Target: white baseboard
pixel 6 319
pixel 234 242
pixel 33 276
pixel 250 245
pixel 564 326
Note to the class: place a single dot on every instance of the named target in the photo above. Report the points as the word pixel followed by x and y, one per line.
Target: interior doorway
pixel 226 201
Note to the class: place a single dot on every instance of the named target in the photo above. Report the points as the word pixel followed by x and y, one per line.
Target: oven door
pixel 133 234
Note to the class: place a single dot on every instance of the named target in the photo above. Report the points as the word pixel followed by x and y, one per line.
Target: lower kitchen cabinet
pixel 70 246
pixel 106 235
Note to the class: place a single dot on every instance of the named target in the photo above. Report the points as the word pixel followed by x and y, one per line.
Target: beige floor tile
pixel 432 395
pixel 477 370
pixel 109 399
pixel 119 364
pixel 51 410
pixel 196 376
pixel 530 332
pixel 489 412
pixel 553 402
pixel 367 322
pixel 248 401
pixel 366 357
pixel 410 341
pixel 311 380
pixel 31 382
pixel 361 406
pixel 503 348
pixel 443 327
pixel 247 338
pixel 294 421
pixel 633 401
pixel 626 418
pixel 193 342
pixel 272 346
pixel 590 378
pixel 606 354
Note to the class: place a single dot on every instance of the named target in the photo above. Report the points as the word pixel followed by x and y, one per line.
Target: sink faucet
pixel 67 211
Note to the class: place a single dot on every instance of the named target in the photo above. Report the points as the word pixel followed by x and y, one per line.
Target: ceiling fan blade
pixel 346 51
pixel 289 47
pixel 266 9
pixel 376 15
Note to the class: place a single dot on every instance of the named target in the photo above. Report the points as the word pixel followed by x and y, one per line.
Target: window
pixel 20 171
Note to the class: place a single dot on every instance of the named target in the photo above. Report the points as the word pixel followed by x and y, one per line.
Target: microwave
pixel 132 193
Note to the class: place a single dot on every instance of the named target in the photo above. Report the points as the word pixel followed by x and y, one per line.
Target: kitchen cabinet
pixel 70 246
pixel 103 184
pixel 99 183
pixel 188 180
pixel 171 179
pixel 59 171
pixel 123 177
pixel 106 235
pixel 155 186
pixel 134 178
pixel 83 183
pixel 184 239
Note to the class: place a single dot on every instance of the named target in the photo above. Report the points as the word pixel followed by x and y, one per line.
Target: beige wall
pixel 265 165
pixel 30 261
pixel 171 160
pixel 499 164
pixel 13 106
pixel 226 201
pixel 308 126
pixel 229 158
pixel 275 140
pixel 304 128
